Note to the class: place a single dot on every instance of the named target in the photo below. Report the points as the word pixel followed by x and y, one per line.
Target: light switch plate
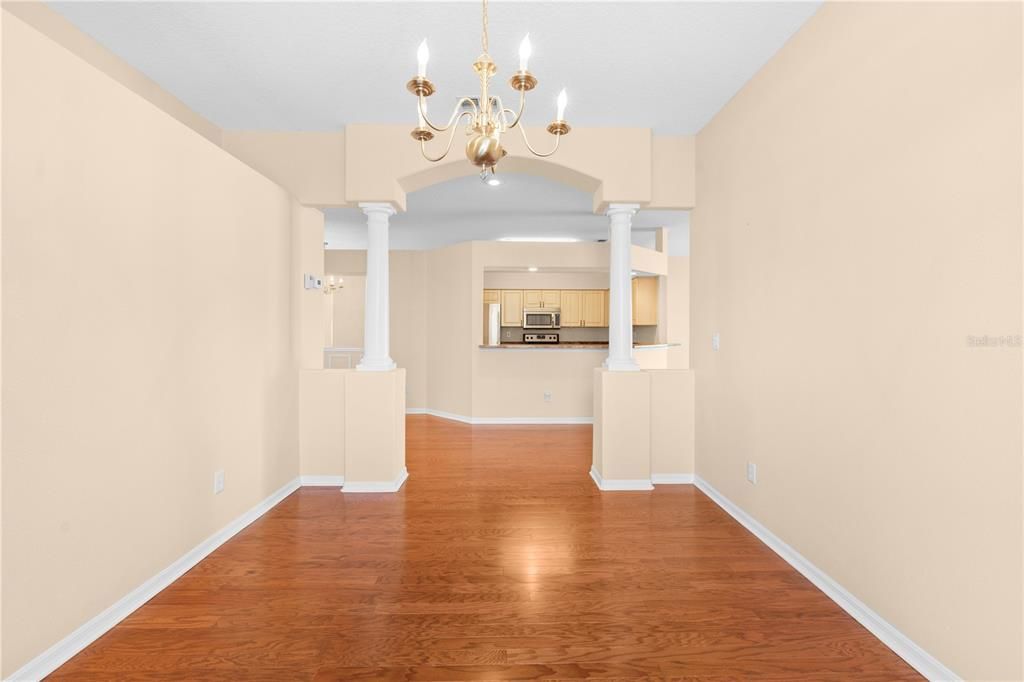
pixel 547 396
pixel 218 482
pixel 715 341
pixel 752 472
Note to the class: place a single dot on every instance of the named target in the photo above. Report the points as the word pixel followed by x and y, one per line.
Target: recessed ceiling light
pixel 532 268
pixel 549 240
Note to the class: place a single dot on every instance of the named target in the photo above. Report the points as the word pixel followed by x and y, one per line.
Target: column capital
pixel 619 209
pixel 373 208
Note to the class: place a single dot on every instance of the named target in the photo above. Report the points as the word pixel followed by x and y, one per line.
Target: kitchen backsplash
pixel 579 334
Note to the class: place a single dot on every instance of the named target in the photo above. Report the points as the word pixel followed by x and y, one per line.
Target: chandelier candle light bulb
pixel 486 116
pixel 525 49
pixel 422 55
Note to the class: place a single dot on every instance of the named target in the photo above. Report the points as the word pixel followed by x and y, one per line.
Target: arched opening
pixel 460 243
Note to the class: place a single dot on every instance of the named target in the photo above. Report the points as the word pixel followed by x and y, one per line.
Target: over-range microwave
pixel 547 318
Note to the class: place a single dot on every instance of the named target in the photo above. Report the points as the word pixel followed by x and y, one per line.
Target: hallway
pixel 499 559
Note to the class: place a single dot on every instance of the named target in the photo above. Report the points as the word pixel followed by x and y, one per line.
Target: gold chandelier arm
pixel 558 138
pixel 451 138
pixel 456 113
pixel 522 107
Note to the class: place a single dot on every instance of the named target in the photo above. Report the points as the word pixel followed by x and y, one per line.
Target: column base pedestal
pixel 620 365
pixel 376 365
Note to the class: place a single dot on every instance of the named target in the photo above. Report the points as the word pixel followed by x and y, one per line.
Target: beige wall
pixel 449 336
pixel 322 422
pixel 546 280
pixel 859 217
pixel 409 317
pixel 308 313
pixel 310 165
pixel 671 422
pixel 676 318
pixel 143 348
pixel 2 16
pixel 348 310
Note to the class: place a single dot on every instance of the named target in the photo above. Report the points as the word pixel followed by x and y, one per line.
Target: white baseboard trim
pixel 61 652
pixel 376 486
pixel 671 479
pixel 499 420
pixel 901 645
pixel 618 484
pixel 315 480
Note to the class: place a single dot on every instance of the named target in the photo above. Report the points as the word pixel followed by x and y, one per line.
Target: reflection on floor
pixel 498 560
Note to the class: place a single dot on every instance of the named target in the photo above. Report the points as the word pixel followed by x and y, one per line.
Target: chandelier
pixel 488 119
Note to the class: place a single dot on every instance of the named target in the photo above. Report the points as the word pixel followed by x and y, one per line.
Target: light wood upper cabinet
pixel 542 298
pixel 593 306
pixel 580 307
pixel 645 300
pixel 511 308
pixel 572 312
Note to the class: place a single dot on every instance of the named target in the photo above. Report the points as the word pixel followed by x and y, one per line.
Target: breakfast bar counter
pixel 571 345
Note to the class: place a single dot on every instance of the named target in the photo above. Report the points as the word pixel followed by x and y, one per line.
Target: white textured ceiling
pixel 321 65
pixel 523 206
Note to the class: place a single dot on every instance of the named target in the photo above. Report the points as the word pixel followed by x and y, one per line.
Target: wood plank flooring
pixel 499 559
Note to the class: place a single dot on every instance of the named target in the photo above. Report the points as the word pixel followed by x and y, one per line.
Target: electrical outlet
pixel 716 342
pixel 508 333
pixel 752 472
pixel 547 396
pixel 218 482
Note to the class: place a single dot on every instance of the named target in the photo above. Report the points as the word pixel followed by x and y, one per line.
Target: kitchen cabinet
pixel 511 308
pixel 579 307
pixel 584 308
pixel 593 306
pixel 572 312
pixel 645 301
pixel 542 298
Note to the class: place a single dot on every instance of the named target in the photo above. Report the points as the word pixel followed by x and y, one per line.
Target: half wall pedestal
pixel 643 428
pixel 352 429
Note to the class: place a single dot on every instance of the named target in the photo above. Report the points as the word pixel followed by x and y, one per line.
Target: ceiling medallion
pixel 487 116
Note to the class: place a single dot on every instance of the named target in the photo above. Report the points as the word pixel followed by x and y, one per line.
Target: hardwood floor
pixel 499 559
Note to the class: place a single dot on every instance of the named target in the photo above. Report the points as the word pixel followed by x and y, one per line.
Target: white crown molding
pixel 671 479
pixel 901 645
pixel 376 486
pixel 61 652
pixel 313 480
pixel 499 420
pixel 619 484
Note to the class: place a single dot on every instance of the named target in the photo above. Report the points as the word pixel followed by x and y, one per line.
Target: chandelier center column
pixel 620 296
pixel 376 329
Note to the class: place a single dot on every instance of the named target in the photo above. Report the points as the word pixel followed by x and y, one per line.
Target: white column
pixel 376 330
pixel 620 294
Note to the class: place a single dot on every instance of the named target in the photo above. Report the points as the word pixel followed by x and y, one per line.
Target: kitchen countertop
pixel 572 345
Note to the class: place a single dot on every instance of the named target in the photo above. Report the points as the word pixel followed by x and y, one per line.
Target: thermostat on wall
pixel 314 282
